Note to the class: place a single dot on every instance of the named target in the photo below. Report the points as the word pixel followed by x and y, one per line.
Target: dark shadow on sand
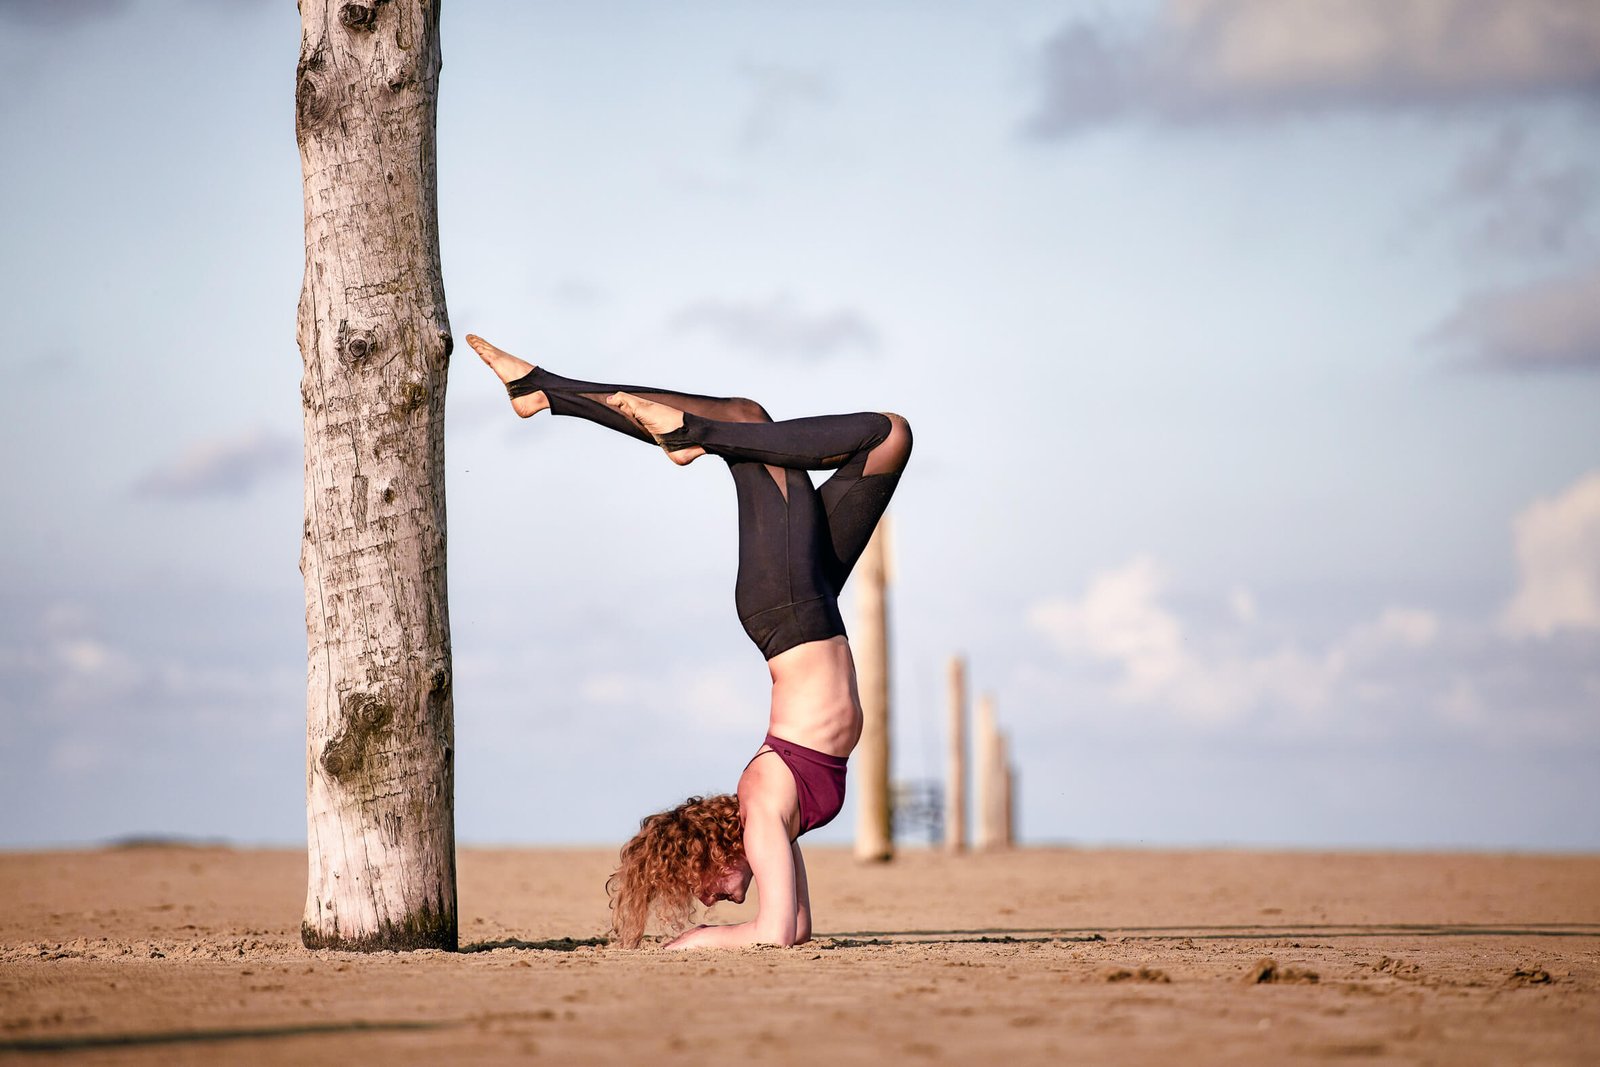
pixel 830 942
pixel 558 944
pixel 78 1042
pixel 865 938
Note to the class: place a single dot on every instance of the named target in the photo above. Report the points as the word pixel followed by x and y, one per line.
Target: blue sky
pixel 1253 351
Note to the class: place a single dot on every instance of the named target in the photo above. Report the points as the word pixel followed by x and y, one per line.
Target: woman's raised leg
pixel 533 389
pixel 857 495
pixel 869 449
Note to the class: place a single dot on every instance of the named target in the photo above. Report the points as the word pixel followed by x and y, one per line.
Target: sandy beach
pixel 191 955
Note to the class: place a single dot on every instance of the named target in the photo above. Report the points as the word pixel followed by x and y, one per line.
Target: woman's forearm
pixel 739 935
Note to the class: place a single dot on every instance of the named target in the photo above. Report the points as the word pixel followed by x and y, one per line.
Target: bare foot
pixel 509 368
pixel 659 420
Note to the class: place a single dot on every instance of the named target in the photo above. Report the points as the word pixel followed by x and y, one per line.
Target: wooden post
pixel 870 644
pixel 1011 800
pixel 955 791
pixel 987 760
pixel 375 342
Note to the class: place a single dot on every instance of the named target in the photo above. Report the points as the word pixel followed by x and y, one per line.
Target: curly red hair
pixel 662 868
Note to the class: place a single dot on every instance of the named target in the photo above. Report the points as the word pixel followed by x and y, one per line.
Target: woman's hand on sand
pixel 683 940
pixel 737 935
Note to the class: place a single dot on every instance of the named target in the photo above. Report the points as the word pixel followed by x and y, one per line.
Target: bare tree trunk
pixel 955 796
pixel 375 341
pixel 870 645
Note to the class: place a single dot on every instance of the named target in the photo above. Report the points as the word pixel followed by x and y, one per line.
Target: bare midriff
pixel 814 697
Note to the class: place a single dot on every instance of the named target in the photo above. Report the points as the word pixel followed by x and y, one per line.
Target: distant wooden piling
pixel 870 644
pixel 996 782
pixel 1010 808
pixel 955 790
pixel 989 780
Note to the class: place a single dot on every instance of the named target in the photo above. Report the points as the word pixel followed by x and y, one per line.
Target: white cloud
pixel 1394 628
pixel 607 689
pixel 1121 621
pixel 1463 706
pixel 64 618
pixel 66 678
pixel 1550 324
pixel 86 671
pixel 1525 203
pixel 78 757
pixel 578 292
pixel 715 697
pixel 718 698
pixel 779 93
pixel 1558 563
pixel 778 327
pixel 84 656
pixel 55 14
pixel 222 467
pixel 1210 59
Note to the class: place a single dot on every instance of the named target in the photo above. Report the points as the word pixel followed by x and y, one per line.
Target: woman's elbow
pixel 783 935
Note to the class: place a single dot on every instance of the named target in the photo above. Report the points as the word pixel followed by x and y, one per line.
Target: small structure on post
pixel 375 341
pixel 870 644
pixel 991 778
pixel 955 794
pixel 917 807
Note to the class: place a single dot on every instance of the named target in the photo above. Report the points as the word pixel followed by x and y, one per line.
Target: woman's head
pixel 695 851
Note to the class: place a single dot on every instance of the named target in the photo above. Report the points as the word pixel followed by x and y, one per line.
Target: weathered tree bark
pixel 376 343
pixel 955 790
pixel 870 645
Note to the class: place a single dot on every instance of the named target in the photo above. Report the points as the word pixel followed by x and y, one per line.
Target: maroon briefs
pixel 818 781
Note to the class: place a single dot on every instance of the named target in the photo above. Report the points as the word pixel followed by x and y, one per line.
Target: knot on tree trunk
pixel 314 104
pixel 355 344
pixel 363 717
pixel 438 700
pixel 413 395
pixel 360 18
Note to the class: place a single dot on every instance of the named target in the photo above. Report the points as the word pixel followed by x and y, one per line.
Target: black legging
pixel 797 543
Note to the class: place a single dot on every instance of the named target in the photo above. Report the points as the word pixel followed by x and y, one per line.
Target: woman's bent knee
pixel 892 454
